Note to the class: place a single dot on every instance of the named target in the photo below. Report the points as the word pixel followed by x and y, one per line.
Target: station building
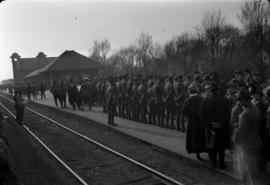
pixel 70 64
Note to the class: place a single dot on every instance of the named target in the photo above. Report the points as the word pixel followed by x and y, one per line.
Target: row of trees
pixel 211 46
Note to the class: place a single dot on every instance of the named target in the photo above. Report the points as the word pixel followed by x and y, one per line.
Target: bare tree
pixel 143 44
pixel 219 37
pixel 180 52
pixel 100 50
pixel 211 32
pixel 255 18
pixel 128 55
pixel 157 54
pixel 105 47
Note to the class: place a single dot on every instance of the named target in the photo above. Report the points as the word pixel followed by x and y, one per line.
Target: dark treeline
pixel 214 45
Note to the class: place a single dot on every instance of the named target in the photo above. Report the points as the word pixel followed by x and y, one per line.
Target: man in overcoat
pixel 195 137
pixel 215 114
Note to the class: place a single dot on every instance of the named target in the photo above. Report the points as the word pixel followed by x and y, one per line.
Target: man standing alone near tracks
pixel 19 106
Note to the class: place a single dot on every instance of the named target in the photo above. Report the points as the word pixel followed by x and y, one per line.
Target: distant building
pixel 68 65
pixel 24 66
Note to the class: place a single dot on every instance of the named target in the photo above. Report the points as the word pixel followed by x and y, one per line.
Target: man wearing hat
pixel 258 101
pixel 195 137
pixel 246 138
pixel 215 114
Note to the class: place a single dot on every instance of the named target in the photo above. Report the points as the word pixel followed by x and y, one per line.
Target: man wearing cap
pixel 121 88
pixel 19 106
pixel 111 100
pixel 169 101
pixel 142 98
pixel 180 95
pixel 135 101
pixel 215 114
pixel 151 103
pixel 158 90
pixel 129 97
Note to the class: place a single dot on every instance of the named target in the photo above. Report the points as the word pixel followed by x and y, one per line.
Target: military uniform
pixel 169 101
pixel 111 100
pixel 151 103
pixel 135 102
pixel 122 88
pixel 142 98
pixel 158 91
pixel 129 98
pixel 180 96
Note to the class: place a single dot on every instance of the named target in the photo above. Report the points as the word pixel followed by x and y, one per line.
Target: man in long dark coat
pixel 195 137
pixel 63 94
pixel 73 94
pixel 55 92
pixel 19 106
pixel 215 114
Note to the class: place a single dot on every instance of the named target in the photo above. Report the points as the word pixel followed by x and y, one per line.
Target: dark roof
pixel 39 71
pixel 72 61
pixel 28 65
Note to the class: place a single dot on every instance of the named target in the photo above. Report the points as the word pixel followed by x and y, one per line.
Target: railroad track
pixel 144 175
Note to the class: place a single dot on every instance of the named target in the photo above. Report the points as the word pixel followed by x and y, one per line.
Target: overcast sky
pixel 27 27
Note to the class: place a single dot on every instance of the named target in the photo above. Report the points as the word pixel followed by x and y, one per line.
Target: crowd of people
pixel 215 114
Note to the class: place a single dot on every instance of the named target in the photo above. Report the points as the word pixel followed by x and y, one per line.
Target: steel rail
pixel 147 168
pixel 49 150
